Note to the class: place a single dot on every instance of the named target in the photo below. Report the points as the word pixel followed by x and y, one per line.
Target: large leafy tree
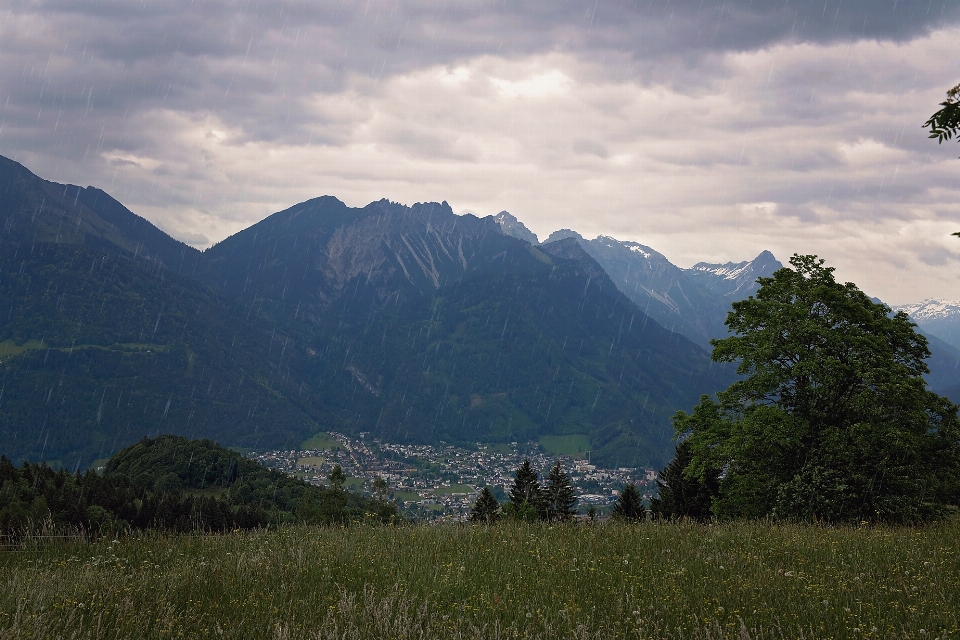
pixel 831 419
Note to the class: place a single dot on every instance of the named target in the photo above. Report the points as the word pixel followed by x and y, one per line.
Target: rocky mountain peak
pixel 510 226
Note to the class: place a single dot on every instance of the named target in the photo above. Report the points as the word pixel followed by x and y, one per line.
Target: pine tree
pixel 524 494
pixel 683 497
pixel 557 498
pixel 629 506
pixel 486 509
pixel 335 506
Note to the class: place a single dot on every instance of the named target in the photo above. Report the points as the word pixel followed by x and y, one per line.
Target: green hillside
pixel 124 349
pixel 171 483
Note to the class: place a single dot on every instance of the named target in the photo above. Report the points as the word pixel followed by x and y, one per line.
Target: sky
pixel 708 130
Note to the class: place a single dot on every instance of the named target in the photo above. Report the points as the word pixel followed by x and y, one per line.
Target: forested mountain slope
pixel 416 324
pixel 33 210
pixel 101 343
pixel 409 322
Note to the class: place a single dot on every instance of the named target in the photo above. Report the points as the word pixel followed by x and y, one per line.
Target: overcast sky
pixel 707 130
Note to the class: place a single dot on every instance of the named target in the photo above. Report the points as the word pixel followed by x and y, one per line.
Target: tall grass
pixel 747 580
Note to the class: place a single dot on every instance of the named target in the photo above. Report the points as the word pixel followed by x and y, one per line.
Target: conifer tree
pixel 336 503
pixel 525 493
pixel 629 505
pixel 557 497
pixel 486 509
pixel 683 497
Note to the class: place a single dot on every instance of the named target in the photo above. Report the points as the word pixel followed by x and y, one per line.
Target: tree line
pixel 554 500
pixel 177 485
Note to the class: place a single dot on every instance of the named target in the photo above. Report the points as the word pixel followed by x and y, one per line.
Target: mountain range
pixel 411 323
pixel 937 317
pixel 695 301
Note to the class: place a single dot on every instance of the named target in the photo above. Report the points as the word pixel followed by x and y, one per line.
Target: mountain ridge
pixel 409 322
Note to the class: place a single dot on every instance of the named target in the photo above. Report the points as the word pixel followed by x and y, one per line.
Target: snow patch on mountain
pixel 931 309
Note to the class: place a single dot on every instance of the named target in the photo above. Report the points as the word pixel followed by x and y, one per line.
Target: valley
pixel 411 324
pixel 442 482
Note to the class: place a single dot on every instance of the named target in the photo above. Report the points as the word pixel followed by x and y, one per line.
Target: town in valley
pixel 442 482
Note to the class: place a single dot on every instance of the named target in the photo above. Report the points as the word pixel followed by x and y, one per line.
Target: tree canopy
pixel 831 419
pixel 945 123
pixel 171 483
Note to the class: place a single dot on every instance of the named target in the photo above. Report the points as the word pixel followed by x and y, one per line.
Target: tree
pixel 337 478
pixel 557 498
pixel 486 509
pixel 683 497
pixel 629 505
pixel 945 123
pixel 335 506
pixel 380 489
pixel 831 419
pixel 524 493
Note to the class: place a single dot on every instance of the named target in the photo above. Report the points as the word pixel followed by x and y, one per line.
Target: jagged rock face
pixel 658 288
pixel 400 313
pixel 317 252
pixel 514 228
pixel 661 289
pixel 562 234
pixel 735 280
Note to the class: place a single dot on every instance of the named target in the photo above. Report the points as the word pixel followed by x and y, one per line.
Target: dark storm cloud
pixel 86 66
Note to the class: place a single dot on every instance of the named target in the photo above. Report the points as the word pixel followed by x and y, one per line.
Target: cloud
pixel 708 130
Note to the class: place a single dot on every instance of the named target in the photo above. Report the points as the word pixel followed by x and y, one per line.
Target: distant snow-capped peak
pixel 729 271
pixel 930 309
pixel 635 247
pixel 734 270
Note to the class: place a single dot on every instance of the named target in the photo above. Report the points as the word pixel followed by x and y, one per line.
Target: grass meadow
pixel 744 580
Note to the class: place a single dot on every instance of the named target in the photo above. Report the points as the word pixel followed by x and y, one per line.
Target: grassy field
pixel 576 444
pixel 509 581
pixel 499 447
pixel 9 348
pixel 321 442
